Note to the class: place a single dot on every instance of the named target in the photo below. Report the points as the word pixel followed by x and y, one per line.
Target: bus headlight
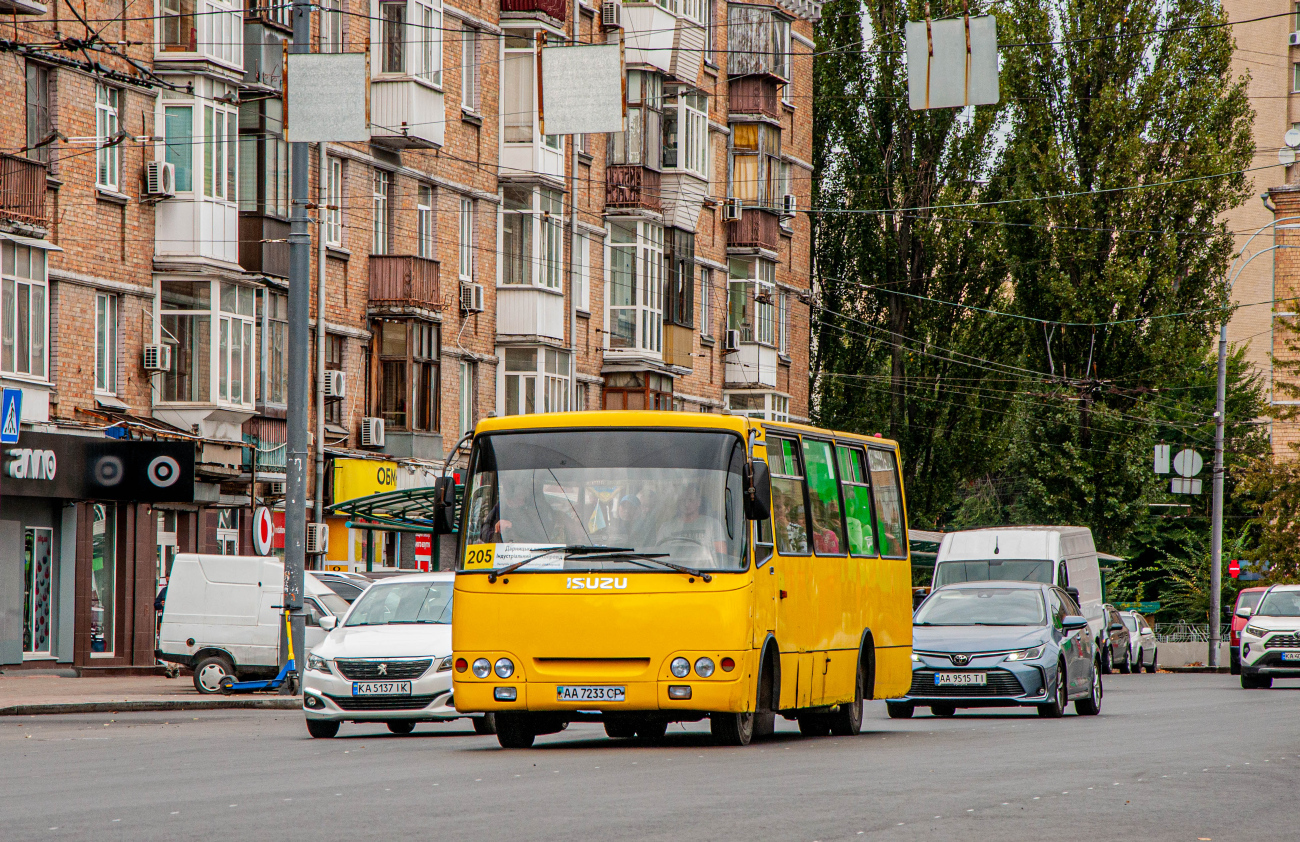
pixel 482 669
pixel 680 667
pixel 504 668
pixel 704 667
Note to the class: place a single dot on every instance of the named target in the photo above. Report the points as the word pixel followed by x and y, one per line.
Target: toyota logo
pixel 961 660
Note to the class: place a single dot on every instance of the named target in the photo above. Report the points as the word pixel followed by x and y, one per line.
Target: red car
pixel 1246 598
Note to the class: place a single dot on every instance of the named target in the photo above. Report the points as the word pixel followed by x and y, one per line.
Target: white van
pixel 222 616
pixel 1057 555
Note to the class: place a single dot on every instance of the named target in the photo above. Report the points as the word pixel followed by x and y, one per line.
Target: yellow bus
pixel 642 568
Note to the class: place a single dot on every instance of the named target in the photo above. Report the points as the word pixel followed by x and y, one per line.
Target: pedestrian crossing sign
pixel 11 415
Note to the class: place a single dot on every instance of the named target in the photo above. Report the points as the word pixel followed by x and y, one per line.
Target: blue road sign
pixel 11 415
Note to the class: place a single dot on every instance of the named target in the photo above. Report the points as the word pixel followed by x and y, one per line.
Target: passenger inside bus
pixel 692 530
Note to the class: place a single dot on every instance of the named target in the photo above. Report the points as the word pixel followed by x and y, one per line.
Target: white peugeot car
pixel 1270 642
pixel 389 661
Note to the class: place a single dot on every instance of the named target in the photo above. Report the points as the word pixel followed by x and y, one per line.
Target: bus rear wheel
pixel 732 729
pixel 514 730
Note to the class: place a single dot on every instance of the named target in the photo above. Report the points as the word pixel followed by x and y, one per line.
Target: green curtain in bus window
pixel 889 504
pixel 857 501
pixel 789 518
pixel 828 533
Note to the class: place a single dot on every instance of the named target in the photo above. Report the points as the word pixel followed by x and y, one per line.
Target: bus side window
pixel 857 501
pixel 828 530
pixel 789 515
pixel 891 528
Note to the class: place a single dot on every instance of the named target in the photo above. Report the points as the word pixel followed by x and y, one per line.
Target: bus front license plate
pixel 381 688
pixel 589 694
pixel 960 679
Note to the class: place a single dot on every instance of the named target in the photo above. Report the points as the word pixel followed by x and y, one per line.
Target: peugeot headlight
pixel 445 664
pixel 1254 631
pixel 482 668
pixel 680 667
pixel 1026 654
pixel 315 662
pixel 504 668
pixel 916 659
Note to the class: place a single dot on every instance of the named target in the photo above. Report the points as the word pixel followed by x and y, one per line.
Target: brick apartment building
pixel 471 264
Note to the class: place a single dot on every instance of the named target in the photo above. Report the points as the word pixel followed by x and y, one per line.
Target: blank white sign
pixel 941 80
pixel 327 98
pixel 582 89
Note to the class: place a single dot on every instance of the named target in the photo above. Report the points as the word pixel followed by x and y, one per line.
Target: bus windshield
pixel 994 570
pixel 676 494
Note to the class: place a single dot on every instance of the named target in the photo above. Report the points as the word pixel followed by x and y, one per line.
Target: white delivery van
pixel 1057 555
pixel 222 616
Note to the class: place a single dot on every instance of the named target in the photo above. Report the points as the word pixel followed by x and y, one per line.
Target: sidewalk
pixel 22 695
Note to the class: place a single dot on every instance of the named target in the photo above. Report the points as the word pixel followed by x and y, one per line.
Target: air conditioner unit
pixel 318 538
pixel 336 384
pixel 731 210
pixel 788 205
pixel 276 489
pixel 372 432
pixel 157 358
pixel 471 298
pixel 159 180
pixel 1293 39
pixel 611 14
pixel 731 342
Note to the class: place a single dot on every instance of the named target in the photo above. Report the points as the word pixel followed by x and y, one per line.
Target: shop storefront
pixel 361 549
pixel 78 547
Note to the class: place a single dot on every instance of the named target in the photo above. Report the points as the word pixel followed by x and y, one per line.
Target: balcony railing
pixel 22 190
pixel 755 95
pixel 554 8
pixel 264 245
pixel 757 228
pixel 632 187
pixel 404 281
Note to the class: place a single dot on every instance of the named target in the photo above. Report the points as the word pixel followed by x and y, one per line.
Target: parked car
pixel 347 585
pixel 1116 649
pixel 1001 644
pixel 1270 640
pixel 1246 598
pixel 1064 556
pixel 388 661
pixel 1140 630
pixel 222 617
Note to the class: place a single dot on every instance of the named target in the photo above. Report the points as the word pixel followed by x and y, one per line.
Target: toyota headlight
pixel 315 662
pixel 482 668
pixel 445 664
pixel 1026 654
pixel 1254 631
pixel 680 667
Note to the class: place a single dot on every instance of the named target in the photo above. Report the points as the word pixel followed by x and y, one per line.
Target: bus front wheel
pixel 514 730
pixel 732 729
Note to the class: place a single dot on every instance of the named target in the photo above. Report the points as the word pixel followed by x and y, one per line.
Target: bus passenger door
pixel 765 583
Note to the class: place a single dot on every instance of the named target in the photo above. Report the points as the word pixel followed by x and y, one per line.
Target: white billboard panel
pixel 582 89
pixel 327 97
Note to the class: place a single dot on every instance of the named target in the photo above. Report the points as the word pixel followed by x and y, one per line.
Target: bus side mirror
pixel 758 491
pixel 444 505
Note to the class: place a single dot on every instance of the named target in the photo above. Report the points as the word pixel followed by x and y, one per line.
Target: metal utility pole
pixel 1216 504
pixel 322 189
pixel 295 504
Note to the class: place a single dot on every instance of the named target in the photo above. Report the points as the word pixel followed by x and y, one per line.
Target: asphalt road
pixel 1171 757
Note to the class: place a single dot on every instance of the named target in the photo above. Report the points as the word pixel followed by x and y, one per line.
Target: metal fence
pixel 1184 632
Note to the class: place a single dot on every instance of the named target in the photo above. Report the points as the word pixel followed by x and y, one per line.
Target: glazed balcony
pixel 22 190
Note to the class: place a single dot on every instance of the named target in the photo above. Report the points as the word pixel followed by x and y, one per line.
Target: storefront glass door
pixel 38 560
pixel 103 579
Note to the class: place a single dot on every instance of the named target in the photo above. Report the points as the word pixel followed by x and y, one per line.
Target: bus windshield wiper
pixel 572 549
pixel 657 558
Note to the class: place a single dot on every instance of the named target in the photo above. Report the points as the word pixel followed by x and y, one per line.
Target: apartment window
pixel 275 342
pixel 331 26
pixel 783 324
pixel 23 310
pixel 40 125
pixel 751 299
pixel 392 23
pixel 679 300
pixel 642 143
pixel 638 390
pixel 178 31
pixel 468 392
pixel 781 54
pixel 694 9
pixel 106 343
pixel 408 374
pixel 334 347
pixel 178 131
pixel 582 272
pixel 334 203
pixel 764 405
pixel 518 89
pixel 103 579
pixel 228 531
pixel 219 159
pixel 686 132
pixel 425 222
pixel 536 380
pixel 1295 77
pixel 430 40
pixel 465 261
pixel 710 32
pixel 706 302
pixel 552 222
pixel 755 163
pixel 469 69
pixel 532 216
pixel 235 344
pixel 634 318
pixel 1295 27
pixel 383 186
pixel 264 159
pixel 108 154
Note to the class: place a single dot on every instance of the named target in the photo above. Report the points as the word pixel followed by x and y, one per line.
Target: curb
pixel 1223 670
pixel 286 703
